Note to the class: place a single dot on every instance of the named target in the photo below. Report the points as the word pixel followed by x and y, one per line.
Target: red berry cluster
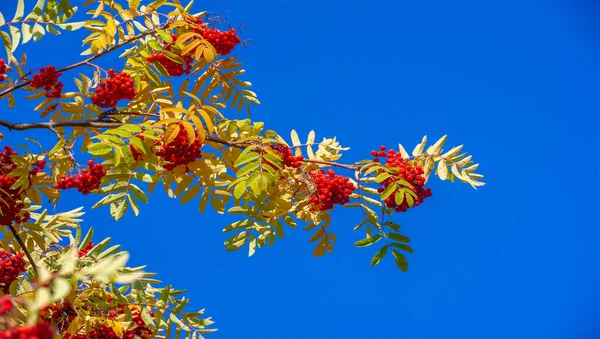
pixel 180 151
pixel 331 189
pixel 38 167
pixel 2 69
pixel 289 160
pixel 63 313
pixel 117 87
pixel 173 68
pixel 38 331
pixel 60 315
pixel 85 181
pixel 412 174
pixel 11 266
pixel 84 251
pixel 10 198
pixel 48 80
pixel 223 41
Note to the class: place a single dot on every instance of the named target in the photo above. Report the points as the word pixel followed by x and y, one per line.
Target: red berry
pixel 48 80
pixel 11 266
pixel 331 189
pixel 407 171
pixel 114 89
pixel 85 181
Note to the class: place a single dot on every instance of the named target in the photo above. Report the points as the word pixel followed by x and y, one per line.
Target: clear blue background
pixel 517 82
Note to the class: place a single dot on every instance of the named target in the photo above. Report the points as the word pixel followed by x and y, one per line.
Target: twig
pixel 88 60
pixel 22 244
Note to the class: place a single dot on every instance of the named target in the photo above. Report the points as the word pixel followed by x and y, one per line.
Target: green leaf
pixel 382 176
pixel 119 211
pixel 379 255
pixel 392 225
pixel 99 149
pixel 391 188
pixel 368 241
pixel 401 261
pixel 246 158
pixel 403 247
pixel 248 168
pixel 398 237
pixel 138 193
pixel 240 189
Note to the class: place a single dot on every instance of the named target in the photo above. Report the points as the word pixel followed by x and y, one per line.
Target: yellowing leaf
pixel 171 133
pixel 419 149
pixel 189 129
pixel 442 169
pixel 295 139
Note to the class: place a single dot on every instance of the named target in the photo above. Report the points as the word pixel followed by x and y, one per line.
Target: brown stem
pixel 20 241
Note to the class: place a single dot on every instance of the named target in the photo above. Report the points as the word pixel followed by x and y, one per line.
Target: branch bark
pixel 22 244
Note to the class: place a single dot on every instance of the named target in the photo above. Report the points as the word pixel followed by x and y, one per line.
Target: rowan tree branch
pixel 90 59
pixel 98 123
pixel 22 244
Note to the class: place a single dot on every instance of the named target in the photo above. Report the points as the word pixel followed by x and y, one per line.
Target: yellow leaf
pixel 190 47
pixel 171 133
pixel 442 170
pixel 403 152
pixel 207 120
pixel 110 27
pixel 311 137
pixel 167 121
pixel 199 127
pixel 319 233
pixel 437 147
pixel 185 36
pixel 419 149
pixel 190 131
pixel 213 110
pixel 295 139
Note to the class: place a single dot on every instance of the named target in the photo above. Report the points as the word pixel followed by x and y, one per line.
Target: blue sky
pixel 516 82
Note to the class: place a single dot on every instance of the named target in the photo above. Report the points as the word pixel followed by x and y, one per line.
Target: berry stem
pixel 22 244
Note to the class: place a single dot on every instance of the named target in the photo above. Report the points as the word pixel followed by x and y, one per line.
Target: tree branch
pixel 109 124
pixel 20 241
pixel 88 60
pixel 53 124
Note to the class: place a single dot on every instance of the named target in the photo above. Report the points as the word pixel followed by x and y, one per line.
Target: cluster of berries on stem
pixel 288 158
pixel 114 89
pixel 48 80
pixel 179 151
pixel 11 266
pixel 37 331
pixel 331 189
pixel 223 41
pixel 2 70
pixel 62 314
pixel 174 68
pixel 11 198
pixel 411 173
pixel 87 180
